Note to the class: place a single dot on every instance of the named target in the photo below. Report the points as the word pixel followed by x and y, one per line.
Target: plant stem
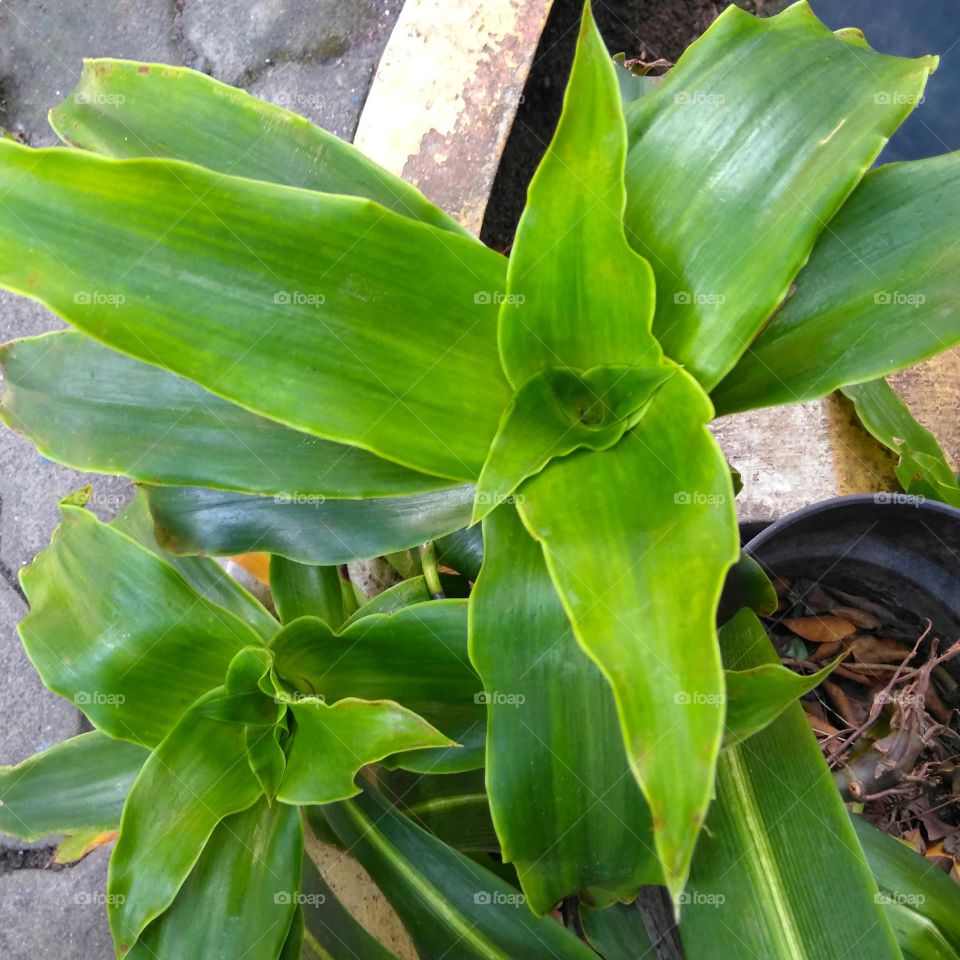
pixel 428 557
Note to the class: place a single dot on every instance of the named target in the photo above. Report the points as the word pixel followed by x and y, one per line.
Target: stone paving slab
pixel 315 57
pixel 42 46
pixel 56 915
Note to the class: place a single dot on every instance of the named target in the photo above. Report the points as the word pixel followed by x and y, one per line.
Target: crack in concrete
pixel 8 576
pixel 34 858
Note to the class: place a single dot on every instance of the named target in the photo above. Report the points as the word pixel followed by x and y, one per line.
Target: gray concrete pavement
pixel 55 914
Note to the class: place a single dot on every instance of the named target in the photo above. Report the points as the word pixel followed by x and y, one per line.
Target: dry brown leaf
pixel 936 854
pixel 914 837
pixel 812 597
pixel 935 705
pixel 869 649
pixel 826 651
pixel 781 586
pixel 843 704
pixel 822 726
pixel 862 603
pixel 820 629
pixel 860 618
pixel 936 828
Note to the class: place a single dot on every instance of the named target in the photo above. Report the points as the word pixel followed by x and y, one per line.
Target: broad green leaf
pixel 462 550
pixel 416 655
pixel 206 576
pixel 755 698
pixel 878 294
pixel 240 897
pixel 617 932
pixel 306 590
pixel 126 109
pixel 747 585
pixel 578 296
pixel 304 307
pixel 911 882
pixel 568 812
pixel 194 520
pixel 778 872
pixel 250 695
pixel 194 779
pixel 78 786
pixel 556 412
pixel 293 947
pixel 403 594
pixel 737 160
pixel 451 906
pixel 119 632
pixel 332 742
pixel 95 409
pixel 266 757
pixel 75 846
pixel 331 931
pixel 407 563
pixel 923 467
pixel 638 540
pixel 758 695
pixel 918 938
pixel 451 806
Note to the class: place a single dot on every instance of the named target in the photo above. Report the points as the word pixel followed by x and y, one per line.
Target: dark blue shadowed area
pixel 912 28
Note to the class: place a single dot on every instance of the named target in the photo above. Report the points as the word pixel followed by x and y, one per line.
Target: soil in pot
pixel 886 718
pixel 875 580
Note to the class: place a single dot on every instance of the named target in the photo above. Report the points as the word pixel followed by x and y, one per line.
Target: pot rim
pixel 838 503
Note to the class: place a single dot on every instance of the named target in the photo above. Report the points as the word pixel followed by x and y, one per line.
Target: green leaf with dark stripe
pixel 778 871
pixel 450 905
pixel 194 520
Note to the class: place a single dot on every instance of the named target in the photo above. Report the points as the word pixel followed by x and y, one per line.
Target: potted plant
pixel 295 353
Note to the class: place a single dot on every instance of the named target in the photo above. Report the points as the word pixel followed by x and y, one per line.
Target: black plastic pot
pixel 902 551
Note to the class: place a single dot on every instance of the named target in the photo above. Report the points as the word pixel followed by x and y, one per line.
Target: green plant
pixel 294 352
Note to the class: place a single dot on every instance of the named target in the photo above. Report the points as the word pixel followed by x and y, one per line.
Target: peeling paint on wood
pixel 445 95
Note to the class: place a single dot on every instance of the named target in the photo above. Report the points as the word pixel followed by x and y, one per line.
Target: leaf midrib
pixel 427 891
pixel 760 858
